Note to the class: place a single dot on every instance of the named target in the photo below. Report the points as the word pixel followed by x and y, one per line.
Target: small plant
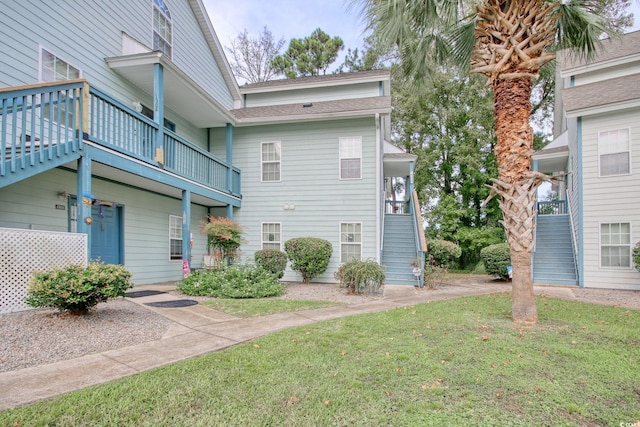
pixel 443 252
pixel 496 258
pixel 224 237
pixel 309 256
pixel 636 256
pixel 76 289
pixel 361 277
pixel 236 281
pixel 433 274
pixel 272 260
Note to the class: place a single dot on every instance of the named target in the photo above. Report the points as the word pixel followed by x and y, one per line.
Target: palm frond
pixel 578 29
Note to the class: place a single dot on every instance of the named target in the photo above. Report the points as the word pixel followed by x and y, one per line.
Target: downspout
pixel 379 178
pixel 580 207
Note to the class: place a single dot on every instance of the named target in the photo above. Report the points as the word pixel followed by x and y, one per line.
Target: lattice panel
pixel 23 252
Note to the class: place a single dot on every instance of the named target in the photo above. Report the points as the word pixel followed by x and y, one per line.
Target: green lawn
pixel 448 363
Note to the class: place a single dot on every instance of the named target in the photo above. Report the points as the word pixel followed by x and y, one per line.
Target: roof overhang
pixel 181 94
pixel 554 157
pixel 398 164
pixel 601 109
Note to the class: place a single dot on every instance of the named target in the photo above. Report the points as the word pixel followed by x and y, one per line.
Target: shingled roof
pixel 322 109
pixel 612 48
pixel 602 93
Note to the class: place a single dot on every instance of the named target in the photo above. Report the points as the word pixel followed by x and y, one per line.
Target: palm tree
pixel 508 41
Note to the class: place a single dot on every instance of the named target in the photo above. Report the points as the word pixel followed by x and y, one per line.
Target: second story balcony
pixel 52 124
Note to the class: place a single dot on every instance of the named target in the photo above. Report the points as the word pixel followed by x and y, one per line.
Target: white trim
pixel 590 67
pixel 630 267
pixel 340 158
pixel 279 241
pixel 628 129
pixel 262 162
pixel 338 80
pixel 340 242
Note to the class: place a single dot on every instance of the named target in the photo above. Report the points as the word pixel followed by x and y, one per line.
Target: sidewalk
pixel 198 330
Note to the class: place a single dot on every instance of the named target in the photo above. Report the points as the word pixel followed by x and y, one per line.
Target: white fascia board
pixel 311 85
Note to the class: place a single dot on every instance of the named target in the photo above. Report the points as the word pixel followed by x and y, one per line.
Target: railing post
pixel 158 111
pixel 186 227
pixel 85 199
pixel 229 153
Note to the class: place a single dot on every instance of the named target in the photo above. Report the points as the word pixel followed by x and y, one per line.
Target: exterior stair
pixel 553 259
pixel 399 249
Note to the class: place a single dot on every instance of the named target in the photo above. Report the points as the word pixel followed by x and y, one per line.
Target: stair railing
pixel 421 244
pixel 574 242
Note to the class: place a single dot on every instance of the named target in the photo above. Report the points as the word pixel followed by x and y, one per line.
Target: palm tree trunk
pixel 517 186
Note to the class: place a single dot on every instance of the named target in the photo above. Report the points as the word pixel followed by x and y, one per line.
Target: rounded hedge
pixel 496 258
pixel 235 281
pixel 361 276
pixel 636 256
pixel 272 260
pixel 76 289
pixel 309 256
pixel 443 252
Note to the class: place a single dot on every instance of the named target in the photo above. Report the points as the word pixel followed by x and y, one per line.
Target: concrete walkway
pixel 198 330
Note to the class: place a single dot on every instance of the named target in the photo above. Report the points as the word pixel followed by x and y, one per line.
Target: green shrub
pixel 636 256
pixel 361 277
pixel 272 260
pixel 309 256
pixel 496 258
pixel 76 289
pixel 236 281
pixel 442 252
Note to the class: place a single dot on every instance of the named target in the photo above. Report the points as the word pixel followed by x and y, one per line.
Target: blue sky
pixel 286 19
pixel 298 18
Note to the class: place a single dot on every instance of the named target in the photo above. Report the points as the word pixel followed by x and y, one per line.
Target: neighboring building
pixel 132 129
pixel 597 145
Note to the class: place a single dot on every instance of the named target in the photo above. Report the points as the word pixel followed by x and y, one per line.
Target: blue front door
pixel 106 234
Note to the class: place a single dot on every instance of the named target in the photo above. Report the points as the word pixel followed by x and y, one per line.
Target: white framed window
pixel 270 164
pixel 351 157
pixel 350 241
pixel 175 237
pixel 271 235
pixel 162 28
pixel 614 153
pixel 54 69
pixel 615 245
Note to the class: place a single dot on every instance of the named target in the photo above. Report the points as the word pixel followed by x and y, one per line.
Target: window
pixel 175 237
pixel 615 245
pixel 350 241
pixel 54 69
pixel 162 28
pixel 271 161
pixel 613 151
pixel 271 236
pixel 351 158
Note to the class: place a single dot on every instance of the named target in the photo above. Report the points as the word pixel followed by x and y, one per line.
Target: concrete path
pixel 198 330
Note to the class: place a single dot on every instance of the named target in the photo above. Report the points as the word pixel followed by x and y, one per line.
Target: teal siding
pixel 359 90
pixel 145 214
pixel 93 32
pixel 310 181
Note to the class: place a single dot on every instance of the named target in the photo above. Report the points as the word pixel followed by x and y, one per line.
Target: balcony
pixel 47 125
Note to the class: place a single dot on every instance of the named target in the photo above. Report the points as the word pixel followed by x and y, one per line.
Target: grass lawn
pixel 447 363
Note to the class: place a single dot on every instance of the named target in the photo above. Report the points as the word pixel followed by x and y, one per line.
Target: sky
pixel 298 18
pixel 286 19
